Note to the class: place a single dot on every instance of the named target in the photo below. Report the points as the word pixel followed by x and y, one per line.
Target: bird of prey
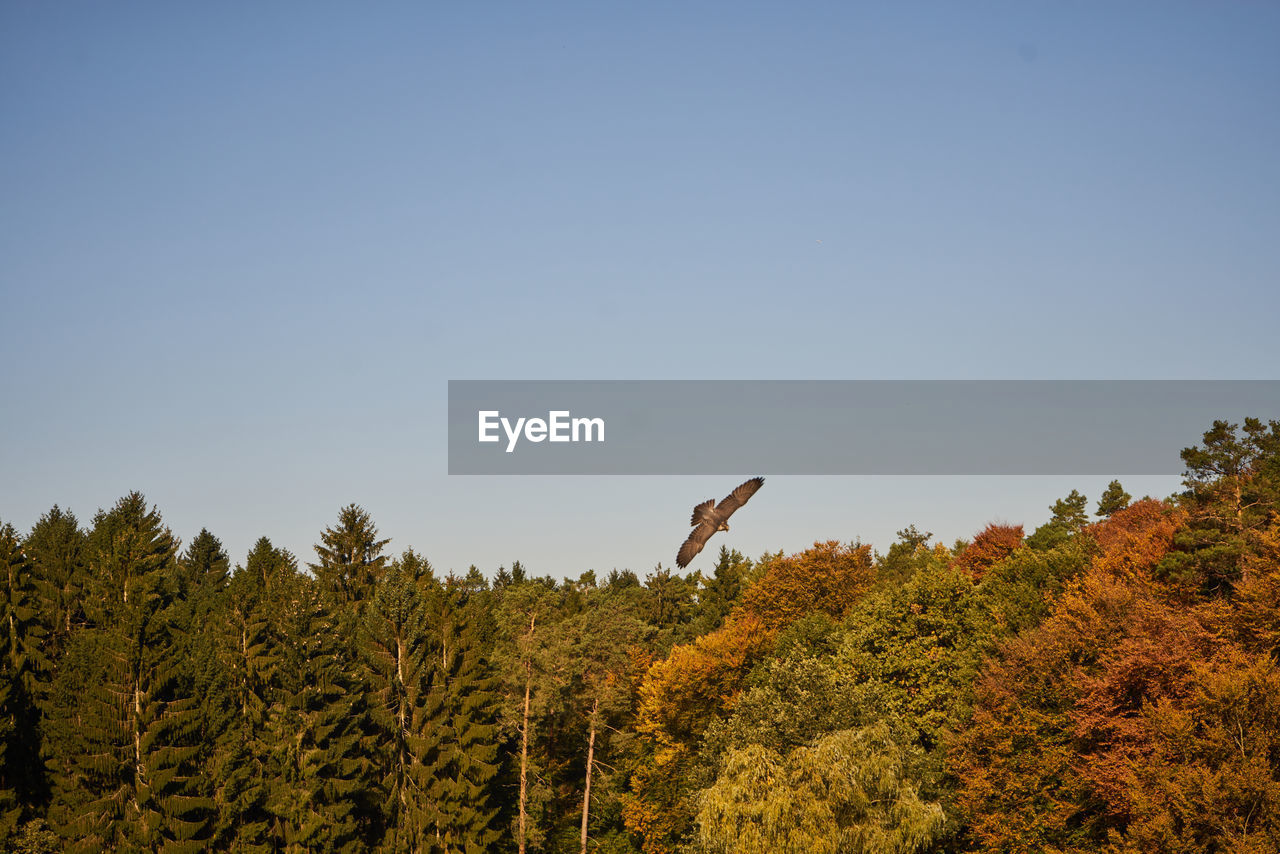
pixel 708 519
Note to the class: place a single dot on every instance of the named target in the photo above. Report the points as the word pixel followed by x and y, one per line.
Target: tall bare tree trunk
pixel 591 761
pixel 524 734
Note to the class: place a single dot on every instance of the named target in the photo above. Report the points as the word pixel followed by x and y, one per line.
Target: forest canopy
pixel 1108 682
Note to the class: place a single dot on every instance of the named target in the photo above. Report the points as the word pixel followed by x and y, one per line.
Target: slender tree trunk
pixel 591 760
pixel 402 729
pixel 140 773
pixel 524 736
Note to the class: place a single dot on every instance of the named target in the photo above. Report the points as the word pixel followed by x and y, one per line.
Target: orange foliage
pixel 1210 783
pixel 1018 759
pixel 697 681
pixel 992 544
pixel 1133 540
pixel 1256 617
pixel 828 577
pixel 1151 663
pixel 679 697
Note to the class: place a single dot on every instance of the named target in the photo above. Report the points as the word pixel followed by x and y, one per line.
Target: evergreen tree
pixel 465 704
pixel 1069 518
pixel 719 593
pixel 203 571
pixel 125 725
pixel 351 558
pixel 1233 490
pixel 252 650
pixel 601 668
pixel 322 772
pixel 1113 500
pixel 24 666
pixel 399 660
pixel 530 693
pixel 56 547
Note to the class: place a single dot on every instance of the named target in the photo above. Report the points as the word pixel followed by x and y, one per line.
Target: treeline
pixel 1107 683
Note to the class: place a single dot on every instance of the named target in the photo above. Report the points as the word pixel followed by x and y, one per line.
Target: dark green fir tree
pixel 125 725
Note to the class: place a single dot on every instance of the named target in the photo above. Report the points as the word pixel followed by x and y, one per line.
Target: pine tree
pixel 351 558
pixel 718 594
pixel 322 776
pixel 56 547
pixel 466 695
pixel 1113 500
pixel 125 733
pixel 1233 490
pixel 398 658
pixel 252 649
pixel 203 572
pixel 24 666
pixel 1069 518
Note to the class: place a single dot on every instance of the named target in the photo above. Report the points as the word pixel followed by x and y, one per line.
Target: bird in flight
pixel 707 519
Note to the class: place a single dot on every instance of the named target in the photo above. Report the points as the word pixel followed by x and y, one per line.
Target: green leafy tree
pixel 600 643
pixel 904 557
pixel 847 793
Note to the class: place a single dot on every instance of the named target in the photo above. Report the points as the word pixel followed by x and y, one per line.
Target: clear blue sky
pixel 244 246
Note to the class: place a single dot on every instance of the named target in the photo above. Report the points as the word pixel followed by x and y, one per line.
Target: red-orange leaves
pixel 1152 662
pixel 1133 540
pixel 992 544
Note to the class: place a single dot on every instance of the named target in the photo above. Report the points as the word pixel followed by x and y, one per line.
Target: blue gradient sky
pixel 244 246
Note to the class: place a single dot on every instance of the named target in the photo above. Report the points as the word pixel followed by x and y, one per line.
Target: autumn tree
pixel 829 577
pixel 992 544
pixel 1209 779
pixel 700 682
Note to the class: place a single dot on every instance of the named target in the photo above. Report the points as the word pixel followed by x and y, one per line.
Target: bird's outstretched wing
pixel 707 521
pixel 738 497
pixel 697 539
